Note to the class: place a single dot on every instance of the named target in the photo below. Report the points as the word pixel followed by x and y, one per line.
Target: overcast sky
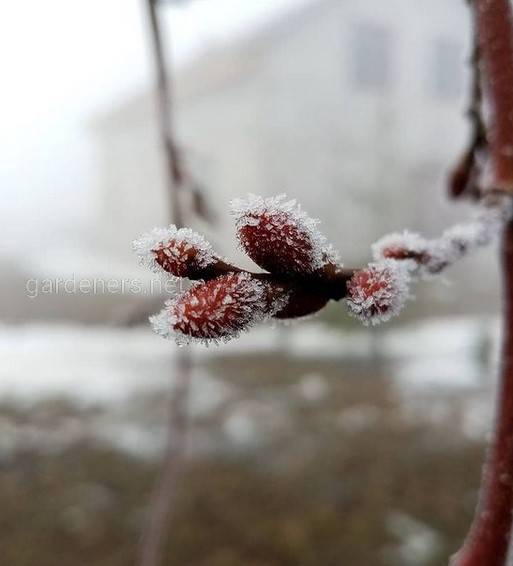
pixel 61 62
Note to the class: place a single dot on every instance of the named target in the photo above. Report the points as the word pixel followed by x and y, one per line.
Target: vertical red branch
pixel 489 539
pixel 494 28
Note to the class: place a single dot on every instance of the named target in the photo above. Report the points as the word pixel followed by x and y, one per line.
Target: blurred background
pixel 319 443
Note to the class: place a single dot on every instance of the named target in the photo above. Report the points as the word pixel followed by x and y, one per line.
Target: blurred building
pixel 355 107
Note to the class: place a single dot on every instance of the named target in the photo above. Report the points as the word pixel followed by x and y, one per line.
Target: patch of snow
pixel 440 371
pixel 359 418
pixel 313 387
pixel 87 364
pixel 418 542
pixel 240 428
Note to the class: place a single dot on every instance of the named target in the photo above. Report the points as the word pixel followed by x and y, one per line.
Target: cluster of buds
pixel 302 272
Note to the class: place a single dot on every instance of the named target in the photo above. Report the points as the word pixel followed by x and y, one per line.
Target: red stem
pixel 488 541
pixel 495 36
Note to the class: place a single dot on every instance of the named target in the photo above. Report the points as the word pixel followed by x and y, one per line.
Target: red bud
pixel 180 252
pixel 378 292
pixel 218 309
pixel 278 236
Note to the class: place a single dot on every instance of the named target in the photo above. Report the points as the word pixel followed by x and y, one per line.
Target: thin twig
pixel 154 537
pixel 176 173
pixel 465 178
pixel 153 541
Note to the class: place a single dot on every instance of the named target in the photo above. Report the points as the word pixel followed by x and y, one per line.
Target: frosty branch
pixel 302 270
pixel 489 539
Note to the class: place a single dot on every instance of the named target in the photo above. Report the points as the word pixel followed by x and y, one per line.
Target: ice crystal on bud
pixel 421 257
pixel 278 236
pixel 378 292
pixel 217 310
pixel 400 246
pixel 180 252
pixel 425 258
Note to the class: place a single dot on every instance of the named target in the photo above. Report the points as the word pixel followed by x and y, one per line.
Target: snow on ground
pixel 88 364
pixel 123 369
pixel 94 364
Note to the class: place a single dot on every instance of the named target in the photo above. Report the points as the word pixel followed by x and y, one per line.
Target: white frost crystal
pixel 405 239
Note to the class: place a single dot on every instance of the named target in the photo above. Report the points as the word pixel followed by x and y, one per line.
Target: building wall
pixel 299 124
pixel 131 195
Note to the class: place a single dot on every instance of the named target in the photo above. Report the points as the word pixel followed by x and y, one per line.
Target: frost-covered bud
pixel 278 236
pixel 218 309
pixel 378 292
pixel 400 246
pixel 180 252
pixel 421 257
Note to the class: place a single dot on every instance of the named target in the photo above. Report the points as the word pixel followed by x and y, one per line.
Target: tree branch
pixel 164 495
pixel 176 174
pixel 464 179
pixel 179 176
pixel 495 37
pixel 489 538
pixel 154 537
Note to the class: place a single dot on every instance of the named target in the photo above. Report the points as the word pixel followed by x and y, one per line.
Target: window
pixel 371 57
pixel 445 71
